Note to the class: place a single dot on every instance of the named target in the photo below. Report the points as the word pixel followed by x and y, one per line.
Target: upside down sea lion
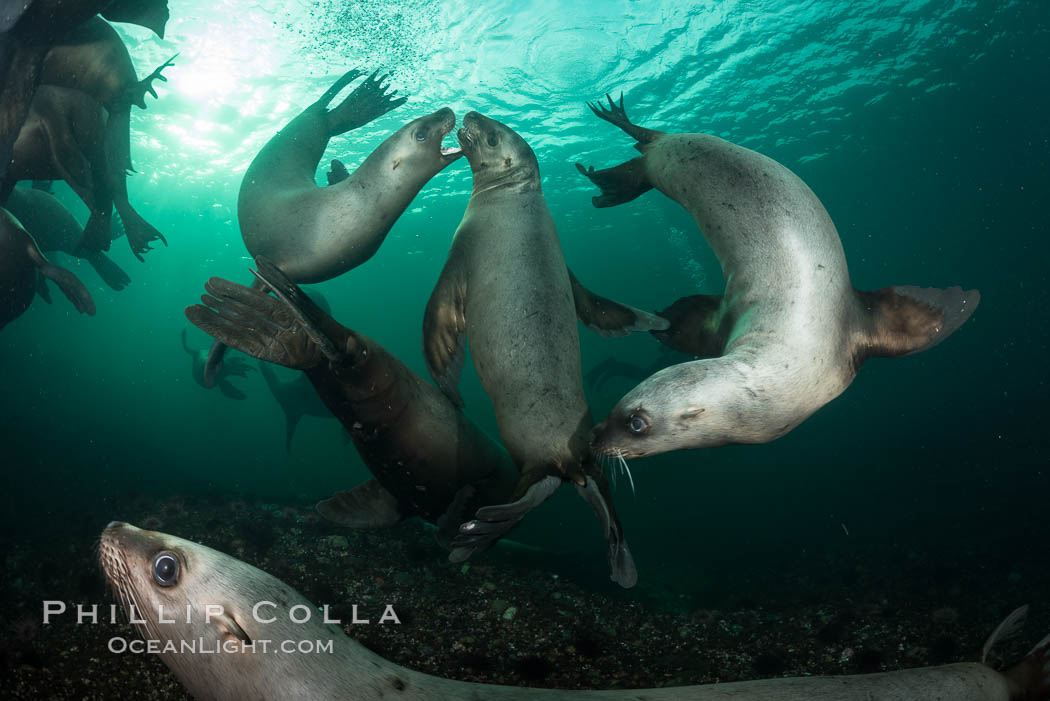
pixel 506 288
pixel 790 331
pixel 55 229
pixel 20 263
pixel 427 458
pixel 316 233
pixel 148 570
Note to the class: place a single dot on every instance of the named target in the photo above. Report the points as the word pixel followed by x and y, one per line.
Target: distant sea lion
pixel 235 367
pixel 297 399
pixel 148 570
pixel 316 233
pixel 790 332
pixel 506 288
pixel 20 261
pixel 93 59
pixel 62 140
pixel 55 229
pixel 428 459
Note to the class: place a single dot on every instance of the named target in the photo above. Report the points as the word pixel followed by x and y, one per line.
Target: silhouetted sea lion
pixel 506 288
pixel 234 367
pixel 62 140
pixel 20 262
pixel 428 459
pixel 297 399
pixel 55 229
pixel 148 570
pixel 93 59
pixel 790 331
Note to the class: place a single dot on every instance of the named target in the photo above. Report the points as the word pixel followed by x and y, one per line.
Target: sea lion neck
pixel 518 180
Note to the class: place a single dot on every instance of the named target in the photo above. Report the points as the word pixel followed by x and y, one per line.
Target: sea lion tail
pixel 906 319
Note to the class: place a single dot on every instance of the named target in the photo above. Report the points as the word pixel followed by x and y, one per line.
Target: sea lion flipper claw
pixel 609 318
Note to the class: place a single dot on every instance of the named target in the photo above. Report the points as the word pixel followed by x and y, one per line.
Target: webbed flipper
pixel 694 329
pixel 367 505
pixel 906 319
pixel 616 115
pixel 595 491
pixel 369 100
pixel 337 173
pixel 609 318
pixel 493 522
pixel 42 290
pixel 448 523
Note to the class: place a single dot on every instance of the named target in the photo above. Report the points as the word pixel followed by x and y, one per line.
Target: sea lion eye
pixel 493 138
pixel 166 569
pixel 421 135
pixel 637 424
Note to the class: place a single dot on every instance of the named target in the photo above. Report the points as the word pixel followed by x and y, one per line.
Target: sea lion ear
pixel 691 413
pixel 230 628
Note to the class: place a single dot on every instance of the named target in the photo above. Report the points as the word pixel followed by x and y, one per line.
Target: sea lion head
pixel 685 406
pixel 417 145
pixel 177 588
pixel 497 154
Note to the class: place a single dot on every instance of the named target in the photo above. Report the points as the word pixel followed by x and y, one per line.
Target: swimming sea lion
pixel 316 233
pixel 235 367
pixel 297 399
pixel 20 261
pixel 148 570
pixel 790 332
pixel 428 459
pixel 55 229
pixel 506 288
pixel 62 140
pixel 93 59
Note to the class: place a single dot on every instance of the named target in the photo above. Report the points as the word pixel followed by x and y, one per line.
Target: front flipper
pixel 695 326
pixel 70 285
pixel 369 100
pixel 904 320
pixel 229 391
pixel 445 328
pixel 367 505
pixel 448 522
pixel 621 563
pixel 111 273
pixel 609 318
pixel 493 522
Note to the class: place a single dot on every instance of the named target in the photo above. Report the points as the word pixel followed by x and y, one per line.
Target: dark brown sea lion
pixel 93 59
pixel 62 140
pixel 20 263
pixel 55 229
pixel 161 575
pixel 790 331
pixel 506 288
pixel 428 459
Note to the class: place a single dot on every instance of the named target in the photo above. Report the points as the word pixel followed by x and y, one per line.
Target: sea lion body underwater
pixel 55 229
pixel 316 233
pixel 20 263
pixel 790 331
pixel 147 570
pixel 506 288
pixel 428 458
pixel 93 60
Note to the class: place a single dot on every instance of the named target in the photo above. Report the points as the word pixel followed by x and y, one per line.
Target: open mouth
pixel 450 153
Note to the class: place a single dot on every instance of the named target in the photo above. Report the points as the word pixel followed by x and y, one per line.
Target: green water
pixel 920 125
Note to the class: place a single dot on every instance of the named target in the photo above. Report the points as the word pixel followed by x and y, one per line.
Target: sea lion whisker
pixel 626 469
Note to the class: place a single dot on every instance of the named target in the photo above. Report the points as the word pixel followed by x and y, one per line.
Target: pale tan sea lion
pixel 147 570
pixel 790 331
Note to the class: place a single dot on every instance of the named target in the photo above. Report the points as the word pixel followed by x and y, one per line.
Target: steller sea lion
pixel 93 59
pixel 790 331
pixel 20 262
pixel 158 576
pixel 506 288
pixel 55 229
pixel 427 458
pixel 234 367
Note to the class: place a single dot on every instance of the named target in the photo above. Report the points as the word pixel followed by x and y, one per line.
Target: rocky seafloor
pixel 506 619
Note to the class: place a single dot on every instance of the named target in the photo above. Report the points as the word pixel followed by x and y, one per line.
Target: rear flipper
pixel 111 273
pixel 620 183
pixel 616 115
pixel 609 318
pixel 493 522
pixel 140 233
pixel 367 505
pixel 904 320
pixel 136 93
pixel 71 287
pixel 694 326
pixel 1029 678
pixel 229 391
pixel 42 290
pixel 338 172
pixel 621 564
pixel 369 100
